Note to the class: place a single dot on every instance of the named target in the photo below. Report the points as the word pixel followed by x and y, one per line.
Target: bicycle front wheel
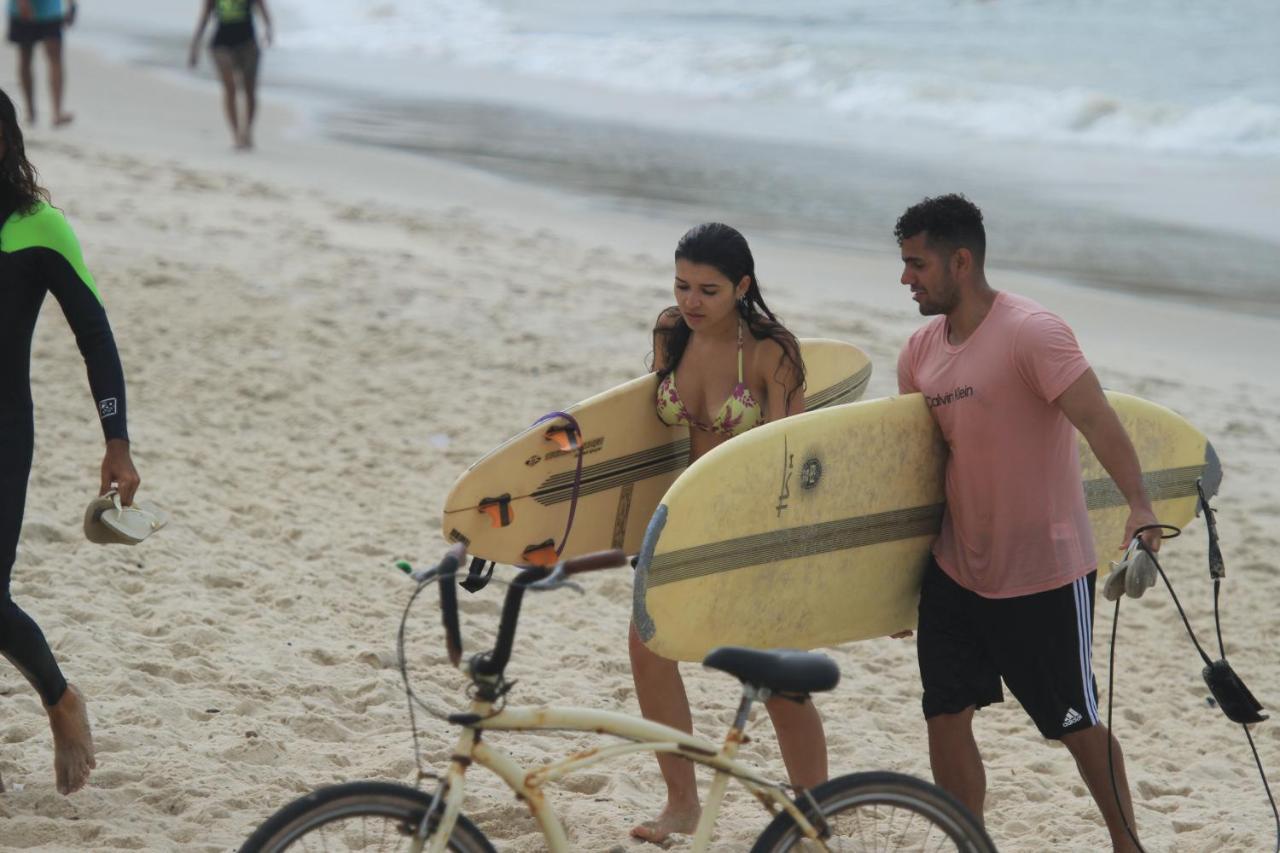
pixel 357 816
pixel 881 811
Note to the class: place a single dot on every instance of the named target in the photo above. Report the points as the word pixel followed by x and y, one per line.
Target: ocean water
pixel 1182 76
pixel 1126 144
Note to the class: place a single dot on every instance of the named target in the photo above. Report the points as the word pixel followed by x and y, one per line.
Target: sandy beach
pixel 320 336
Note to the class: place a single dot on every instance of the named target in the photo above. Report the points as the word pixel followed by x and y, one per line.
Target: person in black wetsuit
pixel 235 53
pixel 39 253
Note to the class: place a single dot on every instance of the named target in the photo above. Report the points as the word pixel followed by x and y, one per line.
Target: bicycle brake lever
pixel 416 575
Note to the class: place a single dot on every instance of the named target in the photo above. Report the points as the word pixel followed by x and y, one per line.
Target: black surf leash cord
pixel 481 570
pixel 1228 691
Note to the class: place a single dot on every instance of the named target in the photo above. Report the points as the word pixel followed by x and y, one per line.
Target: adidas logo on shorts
pixel 1072 717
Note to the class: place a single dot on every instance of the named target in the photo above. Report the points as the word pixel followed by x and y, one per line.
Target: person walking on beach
pixel 736 367
pixel 235 53
pixel 39 253
pixel 1009 590
pixel 33 22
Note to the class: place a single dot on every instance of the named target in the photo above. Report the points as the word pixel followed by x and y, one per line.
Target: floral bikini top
pixel 739 413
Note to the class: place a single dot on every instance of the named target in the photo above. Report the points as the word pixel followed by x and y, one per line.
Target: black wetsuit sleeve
pixel 88 320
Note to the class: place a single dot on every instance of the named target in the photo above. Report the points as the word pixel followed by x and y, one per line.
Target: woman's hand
pixel 118 471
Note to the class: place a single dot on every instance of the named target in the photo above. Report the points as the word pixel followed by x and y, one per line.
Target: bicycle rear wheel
pixel 882 811
pixel 356 816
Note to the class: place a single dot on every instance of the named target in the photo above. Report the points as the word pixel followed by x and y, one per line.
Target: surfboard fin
pixel 543 554
pixel 498 509
pixel 563 436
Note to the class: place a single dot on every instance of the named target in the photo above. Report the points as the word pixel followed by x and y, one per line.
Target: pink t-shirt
pixel 1015 522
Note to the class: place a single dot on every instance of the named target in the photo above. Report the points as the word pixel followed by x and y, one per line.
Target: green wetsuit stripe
pixel 46 228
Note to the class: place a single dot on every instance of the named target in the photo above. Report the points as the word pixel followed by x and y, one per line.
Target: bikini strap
pixel 739 352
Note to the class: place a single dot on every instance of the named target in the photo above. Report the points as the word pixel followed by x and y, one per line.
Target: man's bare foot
pixel 672 820
pixel 72 741
pixel 63 119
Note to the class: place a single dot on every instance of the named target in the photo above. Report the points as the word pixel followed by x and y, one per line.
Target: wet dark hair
pixel 19 189
pixel 718 245
pixel 948 221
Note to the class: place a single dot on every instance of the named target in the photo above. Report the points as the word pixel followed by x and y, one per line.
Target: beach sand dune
pixel 308 372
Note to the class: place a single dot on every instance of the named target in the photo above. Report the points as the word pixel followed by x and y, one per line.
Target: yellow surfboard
pixel 512 505
pixel 815 530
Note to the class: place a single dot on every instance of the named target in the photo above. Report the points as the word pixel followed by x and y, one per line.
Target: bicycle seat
pixel 781 670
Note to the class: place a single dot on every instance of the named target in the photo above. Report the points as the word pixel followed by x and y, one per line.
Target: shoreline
pixel 1195 230
pixel 802 274
pixel 622 167
pixel 1149 333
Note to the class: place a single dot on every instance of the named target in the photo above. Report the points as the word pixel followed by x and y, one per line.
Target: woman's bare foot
pixel 72 741
pixel 63 119
pixel 672 820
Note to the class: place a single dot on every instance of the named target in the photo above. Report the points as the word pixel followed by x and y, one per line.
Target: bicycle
pixel 875 810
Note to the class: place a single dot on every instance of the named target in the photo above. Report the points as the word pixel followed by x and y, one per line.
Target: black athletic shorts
pixel 30 32
pixel 1040 645
pixel 241 58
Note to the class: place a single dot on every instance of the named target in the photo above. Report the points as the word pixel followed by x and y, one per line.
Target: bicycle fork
pixel 437 824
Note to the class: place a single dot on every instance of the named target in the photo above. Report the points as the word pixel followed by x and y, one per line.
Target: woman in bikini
pixel 735 367
pixel 236 54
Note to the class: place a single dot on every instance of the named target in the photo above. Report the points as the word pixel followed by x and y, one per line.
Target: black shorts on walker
pixel 1040 645
pixel 32 32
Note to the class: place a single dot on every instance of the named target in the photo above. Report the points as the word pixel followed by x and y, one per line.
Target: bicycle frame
pixel 640 735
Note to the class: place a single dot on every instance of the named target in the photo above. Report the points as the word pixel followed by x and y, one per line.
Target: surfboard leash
pixel 1226 688
pixel 569 437
pixel 573 439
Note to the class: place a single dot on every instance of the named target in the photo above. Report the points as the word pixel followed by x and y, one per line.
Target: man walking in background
pixel 1008 593
pixel 33 22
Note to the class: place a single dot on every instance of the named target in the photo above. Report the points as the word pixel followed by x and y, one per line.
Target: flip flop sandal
pixel 108 523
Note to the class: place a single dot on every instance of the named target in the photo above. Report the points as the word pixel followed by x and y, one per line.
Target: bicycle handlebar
pixel 494 662
pixel 594 562
pixel 447 573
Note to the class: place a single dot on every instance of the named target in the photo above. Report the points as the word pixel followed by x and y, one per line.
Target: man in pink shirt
pixel 1009 591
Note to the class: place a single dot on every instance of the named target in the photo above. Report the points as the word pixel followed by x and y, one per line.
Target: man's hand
pixel 1142 517
pixel 118 471
pixel 70 17
pixel 25 10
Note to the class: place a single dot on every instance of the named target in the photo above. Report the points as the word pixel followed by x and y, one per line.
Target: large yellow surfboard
pixel 512 505
pixel 815 530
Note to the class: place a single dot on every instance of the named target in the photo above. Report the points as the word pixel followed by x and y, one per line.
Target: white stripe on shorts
pixel 1084 629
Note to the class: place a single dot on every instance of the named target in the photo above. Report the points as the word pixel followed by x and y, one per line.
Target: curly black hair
pixel 949 221
pixel 19 186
